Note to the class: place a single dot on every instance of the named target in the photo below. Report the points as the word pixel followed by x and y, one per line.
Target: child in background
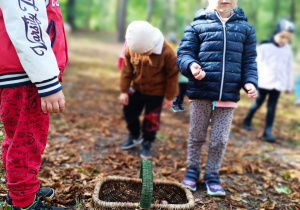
pixel 275 73
pixel 217 54
pixel 150 67
pixel 122 55
pixel 173 41
pixel 178 101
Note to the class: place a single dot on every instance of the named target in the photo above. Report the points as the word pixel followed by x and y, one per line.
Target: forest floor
pixel 84 142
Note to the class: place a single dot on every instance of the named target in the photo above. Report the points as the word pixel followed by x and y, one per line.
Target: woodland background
pixel 84 142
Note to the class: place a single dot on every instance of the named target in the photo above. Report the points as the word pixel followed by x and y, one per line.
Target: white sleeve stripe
pixel 15 81
pixel 12 75
pixel 47 83
pixel 49 89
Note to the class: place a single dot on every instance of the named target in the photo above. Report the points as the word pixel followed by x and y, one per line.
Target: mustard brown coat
pixel 151 75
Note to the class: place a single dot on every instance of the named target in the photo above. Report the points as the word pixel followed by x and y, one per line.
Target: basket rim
pixel 190 198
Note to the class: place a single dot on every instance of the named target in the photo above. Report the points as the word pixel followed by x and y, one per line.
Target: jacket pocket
pixel 156 64
pixel 52 32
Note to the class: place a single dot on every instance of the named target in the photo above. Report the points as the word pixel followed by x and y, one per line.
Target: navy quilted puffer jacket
pixel 226 52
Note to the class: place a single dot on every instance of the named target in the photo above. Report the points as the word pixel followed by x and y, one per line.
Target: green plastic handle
pixel 147 184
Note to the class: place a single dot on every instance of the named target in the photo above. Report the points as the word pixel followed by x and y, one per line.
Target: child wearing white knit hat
pixel 149 80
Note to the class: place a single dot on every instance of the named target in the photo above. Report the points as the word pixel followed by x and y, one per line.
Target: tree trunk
pixel 89 14
pixel 173 16
pixel 118 12
pixel 71 13
pixel 122 21
pixel 167 16
pixel 276 10
pixel 293 10
pixel 253 15
pixel 150 10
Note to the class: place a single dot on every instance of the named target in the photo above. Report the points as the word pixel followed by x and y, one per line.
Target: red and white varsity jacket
pixel 33 47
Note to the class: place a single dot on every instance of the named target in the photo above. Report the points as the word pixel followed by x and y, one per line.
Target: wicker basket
pixel 129 193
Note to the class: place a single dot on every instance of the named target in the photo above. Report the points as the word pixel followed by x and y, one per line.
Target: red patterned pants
pixel 26 130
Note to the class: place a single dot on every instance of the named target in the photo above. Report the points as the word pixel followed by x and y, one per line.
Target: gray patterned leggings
pixel 200 114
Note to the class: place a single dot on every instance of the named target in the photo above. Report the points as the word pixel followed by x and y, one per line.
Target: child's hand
pixel 252 92
pixel 124 99
pixel 54 103
pixel 197 71
pixel 167 104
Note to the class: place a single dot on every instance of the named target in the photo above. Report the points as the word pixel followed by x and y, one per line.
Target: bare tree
pixel 167 16
pixel 276 9
pixel 117 11
pixel 253 14
pixel 150 10
pixel 293 10
pixel 71 13
pixel 173 16
pixel 122 20
pixel 89 14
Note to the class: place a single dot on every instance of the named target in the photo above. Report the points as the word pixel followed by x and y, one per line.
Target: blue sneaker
pixel 213 185
pixel 191 177
pixel 175 108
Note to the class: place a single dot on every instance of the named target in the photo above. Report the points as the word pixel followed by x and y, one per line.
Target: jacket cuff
pixel 252 81
pixel 48 87
pixel 123 90
pixel 188 72
pixel 170 98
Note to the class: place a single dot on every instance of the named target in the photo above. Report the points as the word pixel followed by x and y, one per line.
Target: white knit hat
pixel 141 36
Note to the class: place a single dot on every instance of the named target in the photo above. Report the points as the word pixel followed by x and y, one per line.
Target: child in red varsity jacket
pixel 33 56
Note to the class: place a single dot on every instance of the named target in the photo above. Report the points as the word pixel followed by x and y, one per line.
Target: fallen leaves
pixel 84 146
pixel 268 205
pixel 294 174
pixel 236 198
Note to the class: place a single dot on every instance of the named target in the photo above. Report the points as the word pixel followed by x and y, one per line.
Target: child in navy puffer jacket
pixel 217 54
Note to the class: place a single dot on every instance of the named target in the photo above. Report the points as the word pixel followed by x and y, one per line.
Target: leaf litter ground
pixel 84 142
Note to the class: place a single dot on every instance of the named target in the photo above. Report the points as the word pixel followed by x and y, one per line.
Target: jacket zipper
pixel 224 53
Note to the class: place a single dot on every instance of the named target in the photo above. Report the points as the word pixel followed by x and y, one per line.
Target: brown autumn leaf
pixel 236 198
pixel 245 195
pixel 268 205
pixel 295 174
pixel 295 206
pixel 237 169
pixel 232 190
pixel 258 192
